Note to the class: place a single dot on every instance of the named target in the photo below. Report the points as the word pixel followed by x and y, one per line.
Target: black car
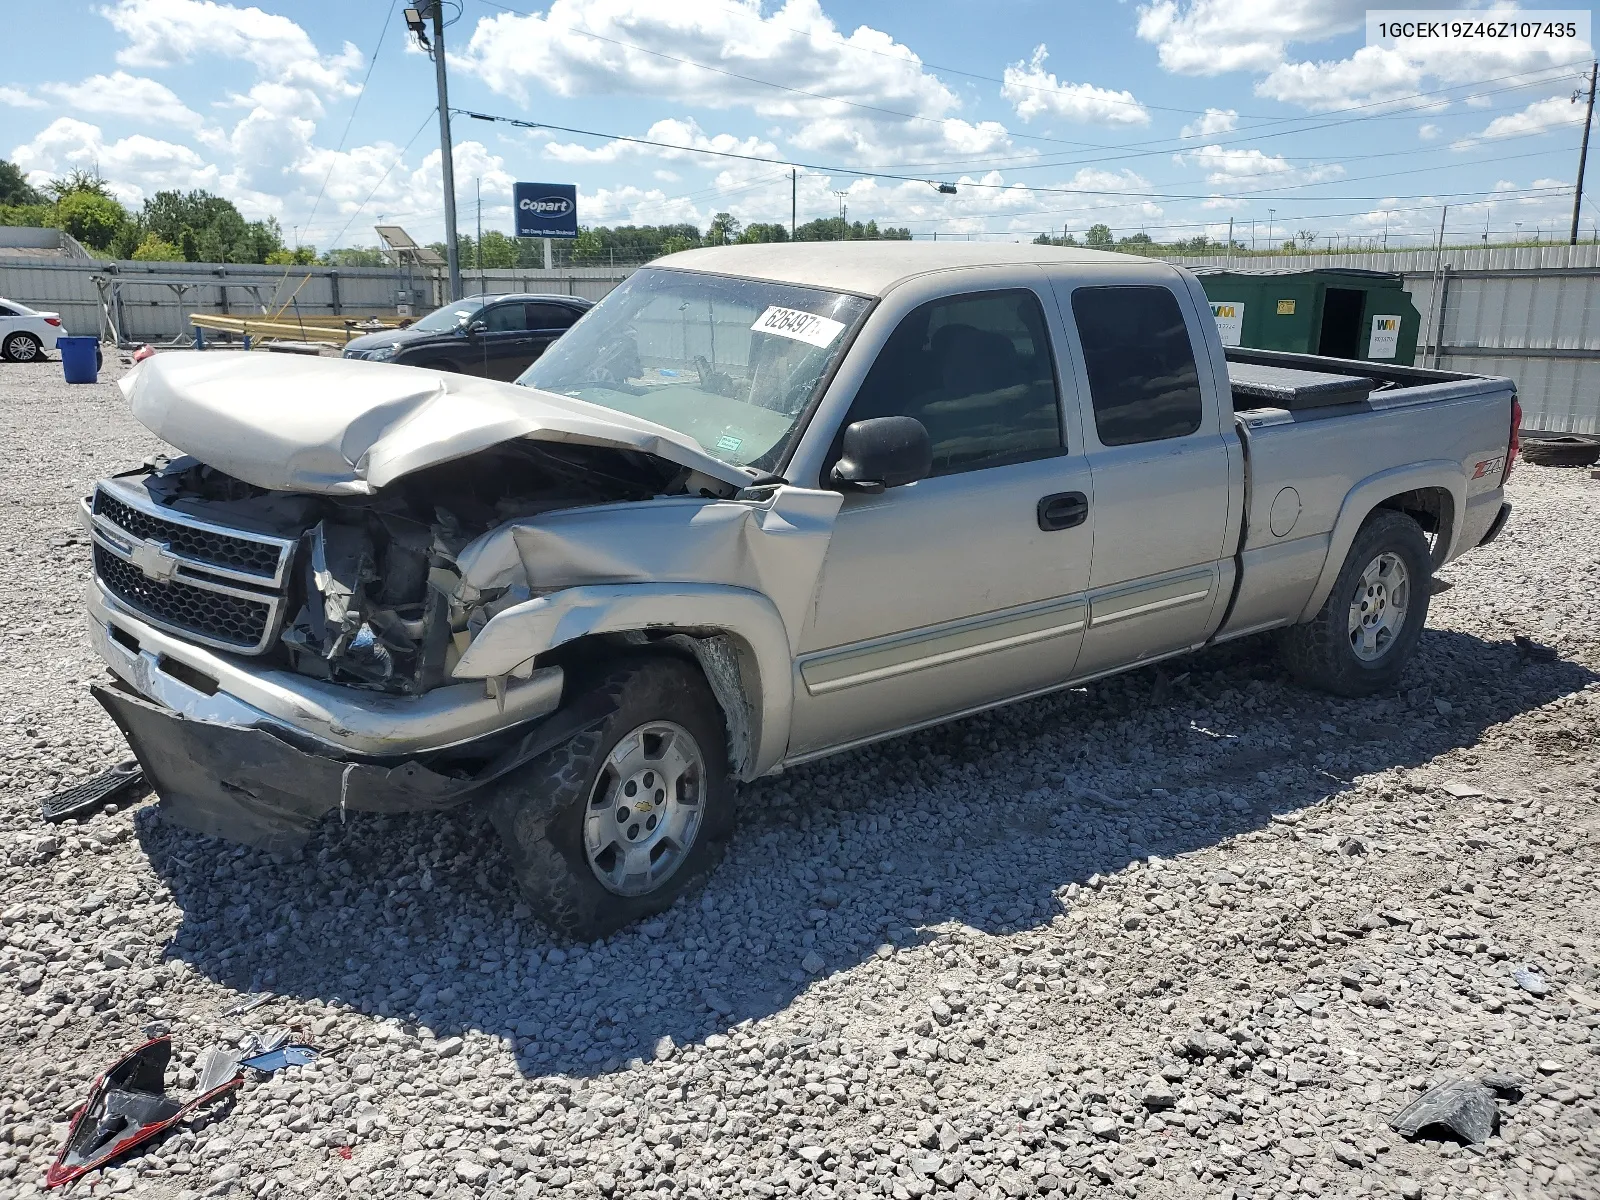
pixel 494 336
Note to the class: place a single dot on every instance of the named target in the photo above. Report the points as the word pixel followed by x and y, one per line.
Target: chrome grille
pixel 226 588
pixel 218 617
pixel 203 545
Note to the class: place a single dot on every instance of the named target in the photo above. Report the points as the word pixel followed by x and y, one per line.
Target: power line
pixel 1545 71
pixel 371 63
pixel 398 159
pixel 865 173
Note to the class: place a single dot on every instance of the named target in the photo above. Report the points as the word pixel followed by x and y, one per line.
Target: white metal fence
pixel 151 302
pixel 1531 313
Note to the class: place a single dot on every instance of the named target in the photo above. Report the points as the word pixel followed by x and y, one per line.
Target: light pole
pixel 414 18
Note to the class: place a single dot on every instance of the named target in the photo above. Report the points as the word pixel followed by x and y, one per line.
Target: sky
pixel 1168 117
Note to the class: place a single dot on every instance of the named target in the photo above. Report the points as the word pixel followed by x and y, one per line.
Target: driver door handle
pixel 1063 510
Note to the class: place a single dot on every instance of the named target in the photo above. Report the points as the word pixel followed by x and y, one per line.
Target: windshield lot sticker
pixel 799 326
pixel 729 443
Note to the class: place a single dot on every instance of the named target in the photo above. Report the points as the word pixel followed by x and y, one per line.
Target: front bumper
pixel 224 689
pixel 251 786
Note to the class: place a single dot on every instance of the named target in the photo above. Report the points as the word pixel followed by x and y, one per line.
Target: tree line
pixel 629 245
pixel 196 226
pixel 193 226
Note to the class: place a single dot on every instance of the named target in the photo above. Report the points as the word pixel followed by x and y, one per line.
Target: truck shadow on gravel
pixel 972 829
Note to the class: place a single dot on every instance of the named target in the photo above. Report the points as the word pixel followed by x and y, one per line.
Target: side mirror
pixel 883 452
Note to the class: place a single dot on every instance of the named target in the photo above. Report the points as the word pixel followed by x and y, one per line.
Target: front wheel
pixel 621 820
pixel 1368 628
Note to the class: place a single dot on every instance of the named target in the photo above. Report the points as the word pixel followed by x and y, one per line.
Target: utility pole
pixel 415 19
pixel 1583 153
pixel 794 204
pixel 1436 336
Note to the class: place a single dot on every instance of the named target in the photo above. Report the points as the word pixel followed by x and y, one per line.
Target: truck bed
pixel 1319 431
pixel 1273 379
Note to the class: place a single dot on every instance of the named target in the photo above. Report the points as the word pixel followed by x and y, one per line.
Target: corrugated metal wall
pixel 1531 313
pixel 152 301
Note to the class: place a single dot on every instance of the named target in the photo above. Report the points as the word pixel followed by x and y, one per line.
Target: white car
pixel 25 332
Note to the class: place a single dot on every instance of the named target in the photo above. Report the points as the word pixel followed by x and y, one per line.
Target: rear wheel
pixel 619 822
pixel 1369 626
pixel 23 347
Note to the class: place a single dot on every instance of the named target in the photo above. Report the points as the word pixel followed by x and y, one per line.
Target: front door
pixel 505 346
pixel 1161 471
pixel 966 587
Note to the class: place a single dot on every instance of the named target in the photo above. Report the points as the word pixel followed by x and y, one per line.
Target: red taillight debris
pixel 1516 438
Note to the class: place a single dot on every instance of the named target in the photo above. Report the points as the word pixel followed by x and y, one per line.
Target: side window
pixel 1142 374
pixel 976 370
pixel 550 316
pixel 506 318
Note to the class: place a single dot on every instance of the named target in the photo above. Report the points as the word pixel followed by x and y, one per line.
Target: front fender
pixel 1366 496
pixel 747 617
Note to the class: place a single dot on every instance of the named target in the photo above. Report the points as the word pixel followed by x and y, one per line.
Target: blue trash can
pixel 79 357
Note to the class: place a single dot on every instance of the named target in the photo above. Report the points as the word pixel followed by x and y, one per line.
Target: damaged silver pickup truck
pixel 761 504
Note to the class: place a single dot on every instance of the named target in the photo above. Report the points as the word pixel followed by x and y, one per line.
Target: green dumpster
pixel 1340 312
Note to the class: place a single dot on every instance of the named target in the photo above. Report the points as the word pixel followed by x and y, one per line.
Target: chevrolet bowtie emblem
pixel 155 560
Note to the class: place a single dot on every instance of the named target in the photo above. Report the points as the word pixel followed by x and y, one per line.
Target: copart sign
pixel 545 209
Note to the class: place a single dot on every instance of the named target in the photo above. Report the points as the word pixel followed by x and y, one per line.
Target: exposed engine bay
pixel 368 590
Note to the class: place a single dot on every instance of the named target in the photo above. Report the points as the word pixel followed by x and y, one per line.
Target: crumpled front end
pixel 253 785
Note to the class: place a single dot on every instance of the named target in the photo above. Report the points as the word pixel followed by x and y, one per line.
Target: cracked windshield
pixel 732 363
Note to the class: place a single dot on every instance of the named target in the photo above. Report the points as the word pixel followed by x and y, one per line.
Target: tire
pixel 1354 651
pixel 567 801
pixel 1573 450
pixel 23 347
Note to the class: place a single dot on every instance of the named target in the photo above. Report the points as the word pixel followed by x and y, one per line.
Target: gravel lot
pixel 1193 932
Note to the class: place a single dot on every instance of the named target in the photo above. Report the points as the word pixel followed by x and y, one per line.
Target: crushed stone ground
pixel 1191 932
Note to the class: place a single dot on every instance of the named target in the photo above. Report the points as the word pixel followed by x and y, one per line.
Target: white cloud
pixel 135 167
pixel 17 98
pixel 1210 37
pixel 129 96
pixel 679 133
pixel 1035 92
pixel 1213 121
pixel 1377 76
pixel 1555 112
pixel 598 47
pixel 1241 165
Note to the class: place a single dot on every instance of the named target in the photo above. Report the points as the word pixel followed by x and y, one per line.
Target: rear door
pixel 546 322
pixel 966 587
pixel 1160 466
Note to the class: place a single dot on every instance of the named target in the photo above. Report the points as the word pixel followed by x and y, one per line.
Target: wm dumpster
pixel 1340 312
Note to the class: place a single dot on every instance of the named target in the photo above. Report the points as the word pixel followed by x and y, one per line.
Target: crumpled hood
pixel 345 427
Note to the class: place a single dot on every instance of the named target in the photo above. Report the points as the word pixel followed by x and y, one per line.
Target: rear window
pixel 1143 380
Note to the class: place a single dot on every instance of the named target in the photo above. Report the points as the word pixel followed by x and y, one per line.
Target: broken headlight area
pixel 371 593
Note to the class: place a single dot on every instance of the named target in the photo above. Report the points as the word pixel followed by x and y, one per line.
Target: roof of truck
pixel 872 268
